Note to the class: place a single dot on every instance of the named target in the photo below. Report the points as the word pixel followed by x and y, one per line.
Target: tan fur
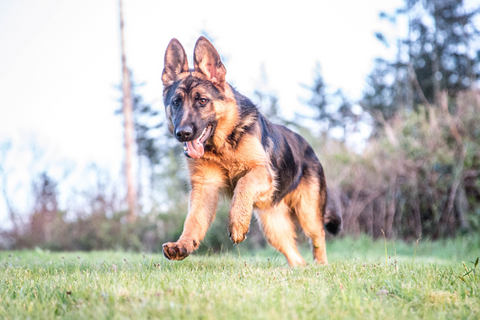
pixel 246 171
pixel 279 230
pixel 227 115
pixel 206 180
pixel 243 171
pixel 307 202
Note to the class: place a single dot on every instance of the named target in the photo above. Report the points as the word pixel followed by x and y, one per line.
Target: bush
pixel 417 175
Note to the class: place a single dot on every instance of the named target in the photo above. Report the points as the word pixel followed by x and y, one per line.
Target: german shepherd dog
pixel 231 148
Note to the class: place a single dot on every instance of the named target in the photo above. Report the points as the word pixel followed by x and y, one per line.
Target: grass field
pixel 244 285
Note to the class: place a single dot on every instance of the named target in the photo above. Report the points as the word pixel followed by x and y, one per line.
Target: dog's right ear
pixel 175 62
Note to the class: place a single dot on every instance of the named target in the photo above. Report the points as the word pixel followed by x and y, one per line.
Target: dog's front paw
pixel 175 251
pixel 237 233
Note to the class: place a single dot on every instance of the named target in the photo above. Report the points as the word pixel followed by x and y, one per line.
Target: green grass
pixel 244 285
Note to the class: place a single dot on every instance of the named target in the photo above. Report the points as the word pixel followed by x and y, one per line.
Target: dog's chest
pixel 234 174
pixel 232 166
pixel 234 170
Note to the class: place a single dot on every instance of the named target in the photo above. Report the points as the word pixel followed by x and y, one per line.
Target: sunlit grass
pixel 245 285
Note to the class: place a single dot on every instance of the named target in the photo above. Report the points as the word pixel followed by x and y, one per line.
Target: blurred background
pixel 386 92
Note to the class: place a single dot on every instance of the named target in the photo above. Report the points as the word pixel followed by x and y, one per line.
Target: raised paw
pixel 237 234
pixel 175 251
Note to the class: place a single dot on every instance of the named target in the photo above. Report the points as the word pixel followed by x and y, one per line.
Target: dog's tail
pixel 332 219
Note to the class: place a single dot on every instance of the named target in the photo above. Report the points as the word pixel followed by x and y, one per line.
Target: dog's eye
pixel 202 101
pixel 176 102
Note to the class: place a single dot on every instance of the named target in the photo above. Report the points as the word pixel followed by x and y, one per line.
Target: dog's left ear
pixel 207 61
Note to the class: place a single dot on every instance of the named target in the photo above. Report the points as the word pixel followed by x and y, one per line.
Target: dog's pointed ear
pixel 175 62
pixel 207 61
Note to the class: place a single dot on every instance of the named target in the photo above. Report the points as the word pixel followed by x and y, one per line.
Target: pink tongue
pixel 195 149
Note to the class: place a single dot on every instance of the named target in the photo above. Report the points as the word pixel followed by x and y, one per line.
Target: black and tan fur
pixel 266 168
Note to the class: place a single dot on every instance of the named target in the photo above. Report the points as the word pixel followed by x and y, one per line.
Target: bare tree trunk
pixel 461 204
pixel 128 115
pixel 399 97
pixel 11 211
pixel 436 66
pixel 409 84
pixel 416 209
pixel 436 82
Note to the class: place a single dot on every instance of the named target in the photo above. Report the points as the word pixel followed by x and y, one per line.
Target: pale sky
pixel 60 60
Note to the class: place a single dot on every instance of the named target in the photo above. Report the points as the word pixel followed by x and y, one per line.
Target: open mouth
pixel 195 148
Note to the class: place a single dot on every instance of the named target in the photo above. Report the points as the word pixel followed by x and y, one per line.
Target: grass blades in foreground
pixel 244 285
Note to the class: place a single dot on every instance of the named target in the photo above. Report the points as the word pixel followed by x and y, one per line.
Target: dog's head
pixel 194 99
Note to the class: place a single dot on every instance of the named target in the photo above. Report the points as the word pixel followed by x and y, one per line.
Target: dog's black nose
pixel 184 133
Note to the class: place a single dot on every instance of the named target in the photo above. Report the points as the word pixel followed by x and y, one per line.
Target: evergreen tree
pixel 385 94
pixel 331 110
pixel 442 45
pixel 45 208
pixel 147 134
pixel 266 99
pixel 440 54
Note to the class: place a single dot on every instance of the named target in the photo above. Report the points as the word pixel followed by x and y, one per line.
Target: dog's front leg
pixel 255 186
pixel 202 208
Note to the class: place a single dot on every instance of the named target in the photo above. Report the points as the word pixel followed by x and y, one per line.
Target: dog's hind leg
pixel 279 230
pixel 309 205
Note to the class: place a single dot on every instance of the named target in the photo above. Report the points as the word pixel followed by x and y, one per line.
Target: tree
pixel 159 150
pixel 147 123
pixel 442 45
pixel 385 94
pixel 4 149
pixel 266 99
pixel 45 208
pixel 331 110
pixel 439 54
pixel 128 116
pixel 146 133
